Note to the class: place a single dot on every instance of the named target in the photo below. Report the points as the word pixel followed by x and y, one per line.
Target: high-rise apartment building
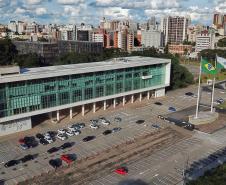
pixel 205 40
pixel 12 26
pixel 130 41
pixel 175 29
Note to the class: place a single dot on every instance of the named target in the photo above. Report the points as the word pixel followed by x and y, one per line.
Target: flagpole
pixel 214 79
pixel 198 98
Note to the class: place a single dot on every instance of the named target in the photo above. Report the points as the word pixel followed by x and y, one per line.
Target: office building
pixel 12 26
pixel 175 29
pixel 152 38
pixel 45 91
pixel 205 40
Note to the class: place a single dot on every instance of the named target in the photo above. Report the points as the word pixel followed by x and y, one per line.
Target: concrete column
pixel 83 110
pixel 58 115
pixel 148 95
pixel 94 107
pixel 105 104
pixel 71 113
pixel 114 103
pixel 140 96
pixel 132 98
pixel 123 100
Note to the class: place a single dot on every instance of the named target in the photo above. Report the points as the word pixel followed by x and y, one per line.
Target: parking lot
pixel 150 169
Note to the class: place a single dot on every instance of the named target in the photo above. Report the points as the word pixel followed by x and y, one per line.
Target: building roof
pixel 62 70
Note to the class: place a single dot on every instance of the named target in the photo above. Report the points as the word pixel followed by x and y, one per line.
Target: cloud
pixel 34 2
pixel 4 3
pixel 40 11
pixel 70 2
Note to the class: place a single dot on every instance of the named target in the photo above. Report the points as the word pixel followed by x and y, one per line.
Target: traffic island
pixel 204 118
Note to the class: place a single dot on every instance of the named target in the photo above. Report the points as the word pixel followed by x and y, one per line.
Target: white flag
pixel 221 63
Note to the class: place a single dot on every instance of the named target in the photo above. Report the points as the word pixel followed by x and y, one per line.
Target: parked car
pixel 61 137
pixel 70 133
pixel 26 158
pixel 67 158
pixel 93 121
pixel 77 132
pixel 116 129
pixel 52 133
pixel 39 136
pixel 88 138
pixel 81 125
pixel 43 141
pixel 219 101
pixel 30 141
pixel 52 150
pixel 105 122
pixel 106 132
pixel 158 103
pixel 172 109
pixel 66 145
pixel 48 139
pixel 94 126
pixel 76 126
pixel 122 171
pixel 61 131
pixel 72 128
pixel 140 121
pixel 24 146
pixel 55 163
pixel 21 141
pixel 117 119
pixel 155 126
pixel 11 163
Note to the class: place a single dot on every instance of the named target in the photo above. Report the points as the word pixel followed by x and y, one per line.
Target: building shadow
pixel 132 182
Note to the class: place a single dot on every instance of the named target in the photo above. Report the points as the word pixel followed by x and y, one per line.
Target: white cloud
pixel 20 10
pixel 40 11
pixel 33 2
pixel 70 2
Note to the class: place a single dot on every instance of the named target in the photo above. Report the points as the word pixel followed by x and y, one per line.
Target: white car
pixel 105 122
pixel 61 131
pixel 93 126
pixel 70 133
pixel 48 139
pixel 61 137
pixel 46 135
pixel 71 128
pixel 77 132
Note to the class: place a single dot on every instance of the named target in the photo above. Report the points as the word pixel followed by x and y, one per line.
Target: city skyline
pixel 91 11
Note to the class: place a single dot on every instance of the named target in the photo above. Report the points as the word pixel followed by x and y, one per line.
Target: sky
pixel 91 11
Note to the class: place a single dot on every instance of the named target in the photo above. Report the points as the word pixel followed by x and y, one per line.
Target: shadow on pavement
pixel 132 182
pixel 2 181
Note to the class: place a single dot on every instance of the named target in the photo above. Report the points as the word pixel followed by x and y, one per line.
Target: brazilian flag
pixel 208 68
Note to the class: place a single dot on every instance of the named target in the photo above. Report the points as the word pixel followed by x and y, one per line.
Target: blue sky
pixel 91 11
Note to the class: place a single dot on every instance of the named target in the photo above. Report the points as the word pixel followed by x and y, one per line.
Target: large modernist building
pixel 27 93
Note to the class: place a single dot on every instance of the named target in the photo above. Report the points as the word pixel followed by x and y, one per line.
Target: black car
pixel 140 121
pixel 43 141
pixel 52 150
pixel 30 141
pixel 66 145
pixel 55 163
pixel 116 129
pixel 158 103
pixel 27 158
pixel 39 136
pixel 52 133
pixel 88 138
pixel 189 94
pixel 106 132
pixel 11 163
pixel 118 119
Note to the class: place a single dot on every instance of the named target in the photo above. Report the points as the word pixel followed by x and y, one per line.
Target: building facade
pixel 205 40
pixel 180 49
pixel 39 91
pixel 152 38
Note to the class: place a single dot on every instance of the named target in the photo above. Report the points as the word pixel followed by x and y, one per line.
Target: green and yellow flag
pixel 208 68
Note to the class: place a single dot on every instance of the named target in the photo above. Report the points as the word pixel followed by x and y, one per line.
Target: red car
pixel 21 141
pixel 66 158
pixel 122 171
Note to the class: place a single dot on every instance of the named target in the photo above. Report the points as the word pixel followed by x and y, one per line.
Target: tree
pixel 222 43
pixel 28 60
pixel 7 52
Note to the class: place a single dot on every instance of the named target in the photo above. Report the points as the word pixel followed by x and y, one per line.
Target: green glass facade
pixel 27 96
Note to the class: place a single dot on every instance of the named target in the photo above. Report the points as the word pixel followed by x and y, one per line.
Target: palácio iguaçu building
pixel 36 91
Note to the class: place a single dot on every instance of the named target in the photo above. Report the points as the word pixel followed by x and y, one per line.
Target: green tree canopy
pixel 222 43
